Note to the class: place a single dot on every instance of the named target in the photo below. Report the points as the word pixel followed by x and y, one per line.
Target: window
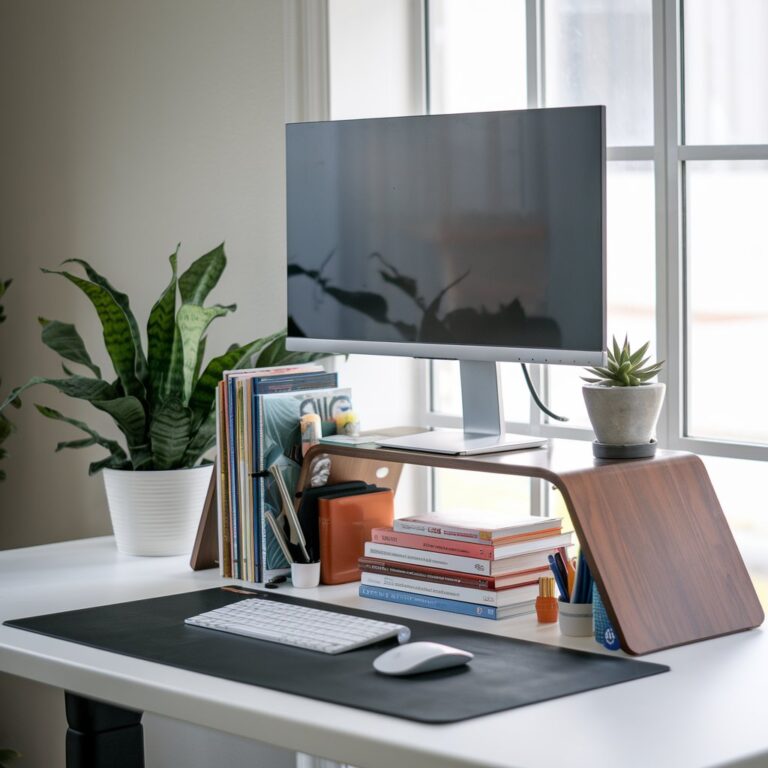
pixel 683 82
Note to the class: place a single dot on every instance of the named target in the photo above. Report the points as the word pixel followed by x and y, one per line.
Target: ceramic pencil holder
pixel 575 619
pixel 305 575
pixel 605 634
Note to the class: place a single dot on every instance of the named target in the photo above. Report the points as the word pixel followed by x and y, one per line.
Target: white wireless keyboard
pixel 290 624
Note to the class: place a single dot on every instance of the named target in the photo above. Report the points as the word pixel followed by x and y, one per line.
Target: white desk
pixel 709 710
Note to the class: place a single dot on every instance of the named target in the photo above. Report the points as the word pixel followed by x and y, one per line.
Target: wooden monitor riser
pixel 652 530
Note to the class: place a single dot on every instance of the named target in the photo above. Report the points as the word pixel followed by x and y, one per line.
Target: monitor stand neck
pixel 481 399
pixel 484 428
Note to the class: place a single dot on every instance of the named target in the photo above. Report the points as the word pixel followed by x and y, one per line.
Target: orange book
pixel 345 524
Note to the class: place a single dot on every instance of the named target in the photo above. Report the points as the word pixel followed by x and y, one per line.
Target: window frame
pixel 668 154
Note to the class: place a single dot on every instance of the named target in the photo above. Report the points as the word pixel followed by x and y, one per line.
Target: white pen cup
pixel 575 619
pixel 305 575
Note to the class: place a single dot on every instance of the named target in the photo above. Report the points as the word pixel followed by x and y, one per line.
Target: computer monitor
pixel 476 237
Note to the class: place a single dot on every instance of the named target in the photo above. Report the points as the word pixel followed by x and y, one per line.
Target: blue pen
pixel 558 578
pixel 583 579
pixel 563 571
pixel 588 584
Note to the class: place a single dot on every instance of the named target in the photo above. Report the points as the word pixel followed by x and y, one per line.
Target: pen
pixel 563 573
pixel 558 578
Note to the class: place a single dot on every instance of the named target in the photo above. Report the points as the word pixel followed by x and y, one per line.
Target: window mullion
pixel 669 294
pixel 534 46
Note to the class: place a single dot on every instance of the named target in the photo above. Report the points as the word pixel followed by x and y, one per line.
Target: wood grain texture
pixel 205 552
pixel 652 530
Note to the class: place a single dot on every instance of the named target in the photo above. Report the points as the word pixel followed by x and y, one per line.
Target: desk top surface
pixel 709 710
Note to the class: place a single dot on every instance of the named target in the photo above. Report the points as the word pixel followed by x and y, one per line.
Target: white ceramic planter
pixel 156 513
pixel 624 415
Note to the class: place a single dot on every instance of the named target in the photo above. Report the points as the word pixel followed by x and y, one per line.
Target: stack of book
pixel 258 413
pixel 479 564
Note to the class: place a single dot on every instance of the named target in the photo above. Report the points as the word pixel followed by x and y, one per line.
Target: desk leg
pixel 102 735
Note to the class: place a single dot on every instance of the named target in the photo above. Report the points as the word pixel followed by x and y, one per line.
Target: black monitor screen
pixel 481 229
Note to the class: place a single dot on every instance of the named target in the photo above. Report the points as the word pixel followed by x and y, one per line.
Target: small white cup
pixel 305 575
pixel 575 619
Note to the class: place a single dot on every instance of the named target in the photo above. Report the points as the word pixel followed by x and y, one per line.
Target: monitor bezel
pixel 480 353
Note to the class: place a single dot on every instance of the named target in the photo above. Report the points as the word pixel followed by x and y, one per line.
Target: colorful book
pixel 222 491
pixel 475 581
pixel 500 599
pixel 278 441
pixel 488 527
pixel 534 556
pixel 234 436
pixel 441 604
pixel 297 382
pixel 485 551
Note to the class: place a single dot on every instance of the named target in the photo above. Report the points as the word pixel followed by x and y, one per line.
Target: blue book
pixel 270 385
pixel 426 601
pixel 233 489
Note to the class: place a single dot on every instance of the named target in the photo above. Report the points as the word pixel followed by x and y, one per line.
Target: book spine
pixel 478 536
pixel 432 544
pixel 271 386
pixel 425 601
pixel 431 559
pixel 233 508
pixel 513 596
pixel 406 571
pixel 220 467
pixel 242 480
pixel 431 529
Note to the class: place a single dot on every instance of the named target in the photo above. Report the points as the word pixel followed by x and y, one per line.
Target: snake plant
pixel 6 427
pixel 163 402
pixel 625 368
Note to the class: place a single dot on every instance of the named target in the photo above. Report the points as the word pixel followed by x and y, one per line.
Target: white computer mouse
pixel 415 658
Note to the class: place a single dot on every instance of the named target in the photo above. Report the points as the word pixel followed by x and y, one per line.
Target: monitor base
pixel 458 443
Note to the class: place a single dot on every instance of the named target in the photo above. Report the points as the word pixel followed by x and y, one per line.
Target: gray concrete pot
pixel 624 415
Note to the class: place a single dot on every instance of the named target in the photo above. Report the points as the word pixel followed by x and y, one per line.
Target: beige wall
pixel 125 127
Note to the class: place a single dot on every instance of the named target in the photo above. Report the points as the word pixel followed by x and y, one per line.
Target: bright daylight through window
pixel 687 182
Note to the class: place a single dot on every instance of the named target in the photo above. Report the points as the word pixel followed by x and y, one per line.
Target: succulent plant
pixel 625 368
pixel 162 402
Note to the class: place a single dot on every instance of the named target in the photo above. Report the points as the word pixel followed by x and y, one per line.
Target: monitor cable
pixel 536 398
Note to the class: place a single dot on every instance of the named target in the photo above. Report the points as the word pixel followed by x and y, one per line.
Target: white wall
pixel 127 126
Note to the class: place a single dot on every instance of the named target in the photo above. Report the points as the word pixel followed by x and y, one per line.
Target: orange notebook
pixel 345 524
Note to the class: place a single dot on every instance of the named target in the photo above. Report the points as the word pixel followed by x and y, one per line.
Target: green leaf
pixel 636 356
pixel 116 327
pixel 84 442
pixel 198 281
pixel 82 387
pixel 110 462
pixel 199 361
pixel 7 756
pixel 3 288
pixel 64 339
pixel 128 414
pixel 202 441
pixel 616 352
pixel 161 327
pixel 125 305
pixel 170 432
pixel 115 449
pixel 203 395
pixel 6 428
pixel 191 323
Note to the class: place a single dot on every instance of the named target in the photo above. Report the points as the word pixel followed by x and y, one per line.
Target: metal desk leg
pixel 102 735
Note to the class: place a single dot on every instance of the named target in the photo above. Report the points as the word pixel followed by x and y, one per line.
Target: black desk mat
pixel 504 674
